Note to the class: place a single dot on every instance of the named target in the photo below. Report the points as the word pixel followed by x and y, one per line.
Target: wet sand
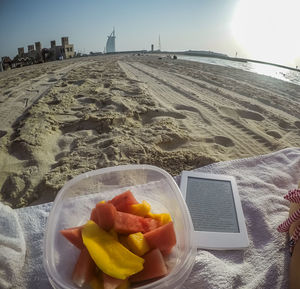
pixel 60 119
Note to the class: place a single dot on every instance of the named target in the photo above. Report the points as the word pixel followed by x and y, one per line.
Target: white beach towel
pixel 262 183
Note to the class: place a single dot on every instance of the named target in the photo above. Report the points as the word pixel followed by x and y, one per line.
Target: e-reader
pixel 216 210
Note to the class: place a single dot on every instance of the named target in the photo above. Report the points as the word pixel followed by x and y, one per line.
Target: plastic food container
pixel 73 204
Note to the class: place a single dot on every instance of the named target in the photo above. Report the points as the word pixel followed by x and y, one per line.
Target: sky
pixel 258 29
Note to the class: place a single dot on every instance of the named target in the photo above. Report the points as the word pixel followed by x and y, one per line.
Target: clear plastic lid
pixel 74 202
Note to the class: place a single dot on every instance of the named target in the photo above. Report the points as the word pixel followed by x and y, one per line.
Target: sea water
pixel 265 69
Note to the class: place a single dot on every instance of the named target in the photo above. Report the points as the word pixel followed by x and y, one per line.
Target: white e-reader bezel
pixel 219 240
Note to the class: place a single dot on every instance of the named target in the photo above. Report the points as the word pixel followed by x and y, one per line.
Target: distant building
pixel 63 51
pixel 110 44
pixel 34 55
pixel 30 48
pixel 68 48
pixel 21 51
pixel 95 53
pixel 6 63
pixel 64 41
pixel 152 47
pixel 39 54
pixel 38 47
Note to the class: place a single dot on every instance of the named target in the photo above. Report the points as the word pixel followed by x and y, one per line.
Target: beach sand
pixel 60 119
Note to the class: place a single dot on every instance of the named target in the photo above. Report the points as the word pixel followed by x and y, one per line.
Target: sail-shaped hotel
pixel 110 44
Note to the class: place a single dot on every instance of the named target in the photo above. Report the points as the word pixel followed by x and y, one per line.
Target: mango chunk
pixel 140 209
pixel 163 218
pixel 109 255
pixel 114 234
pixel 137 244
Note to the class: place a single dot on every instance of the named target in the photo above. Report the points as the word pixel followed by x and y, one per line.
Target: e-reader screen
pixel 211 204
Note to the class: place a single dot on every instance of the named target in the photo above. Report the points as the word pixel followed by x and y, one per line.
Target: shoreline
pixel 217 55
pixel 239 59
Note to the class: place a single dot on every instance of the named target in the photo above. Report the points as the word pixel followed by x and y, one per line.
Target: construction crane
pixel 159 44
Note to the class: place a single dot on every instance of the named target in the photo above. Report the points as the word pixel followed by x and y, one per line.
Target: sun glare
pixel 268 29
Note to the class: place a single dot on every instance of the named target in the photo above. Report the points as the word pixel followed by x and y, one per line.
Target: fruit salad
pixel 123 243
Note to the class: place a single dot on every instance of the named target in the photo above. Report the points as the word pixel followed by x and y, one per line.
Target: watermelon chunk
pixel 124 285
pixel 154 267
pixel 96 283
pixel 124 201
pixel 128 223
pixel 106 214
pixel 74 236
pixel 111 282
pixel 84 270
pixel 149 224
pixel 93 216
pixel 163 238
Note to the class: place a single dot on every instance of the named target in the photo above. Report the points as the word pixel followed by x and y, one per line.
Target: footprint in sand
pixel 78 96
pixel 221 140
pixel 224 141
pixel 248 114
pixel 274 133
pixel 76 82
pixel 52 80
pixel 88 100
pixel 297 124
pixel 106 85
pixel 61 155
pixel 172 142
pixel 284 124
pixel 185 107
pixel 241 113
pixel 2 133
pixel 151 115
